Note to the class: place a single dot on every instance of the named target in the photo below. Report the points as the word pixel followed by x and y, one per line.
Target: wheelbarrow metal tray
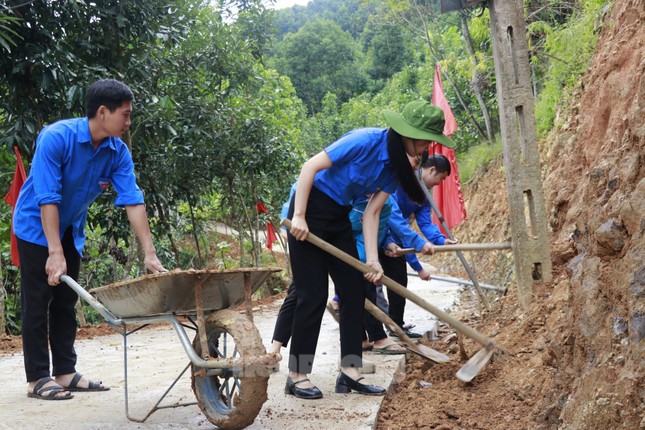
pixel 174 292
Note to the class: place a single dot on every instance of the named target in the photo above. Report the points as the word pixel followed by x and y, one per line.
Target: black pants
pixel 395 268
pixel 284 323
pixel 311 268
pixel 48 317
pixel 373 327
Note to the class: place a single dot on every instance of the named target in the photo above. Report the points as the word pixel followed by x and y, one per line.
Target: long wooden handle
pixel 422 350
pixel 385 319
pixel 462 247
pixel 397 288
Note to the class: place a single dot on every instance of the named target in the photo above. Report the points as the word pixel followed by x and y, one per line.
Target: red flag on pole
pixel 447 195
pixel 271 236
pixel 19 178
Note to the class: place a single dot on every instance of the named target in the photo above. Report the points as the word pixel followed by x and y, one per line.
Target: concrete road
pixel 155 358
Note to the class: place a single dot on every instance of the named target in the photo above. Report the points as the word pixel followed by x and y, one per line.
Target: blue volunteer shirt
pixel 360 166
pixel 67 171
pixel 356 218
pixel 405 208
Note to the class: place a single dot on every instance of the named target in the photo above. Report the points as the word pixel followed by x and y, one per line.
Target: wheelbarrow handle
pixel 398 289
pixel 113 320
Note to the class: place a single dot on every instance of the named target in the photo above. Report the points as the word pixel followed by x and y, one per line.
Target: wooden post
pixel 521 158
pixel 527 210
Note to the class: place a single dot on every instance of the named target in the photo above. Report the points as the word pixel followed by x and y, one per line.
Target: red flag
pixel 271 237
pixel 261 208
pixel 447 195
pixel 19 178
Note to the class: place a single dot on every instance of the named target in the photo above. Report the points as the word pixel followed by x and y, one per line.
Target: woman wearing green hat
pixel 364 161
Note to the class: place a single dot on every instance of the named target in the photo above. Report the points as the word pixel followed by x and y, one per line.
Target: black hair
pixel 401 163
pixel 106 92
pixel 439 162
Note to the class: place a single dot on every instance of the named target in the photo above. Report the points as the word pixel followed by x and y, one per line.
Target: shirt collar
pixel 85 136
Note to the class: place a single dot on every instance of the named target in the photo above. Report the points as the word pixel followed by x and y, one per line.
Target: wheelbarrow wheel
pixel 232 398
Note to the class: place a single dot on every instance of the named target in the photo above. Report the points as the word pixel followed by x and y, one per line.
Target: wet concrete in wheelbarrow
pixel 156 357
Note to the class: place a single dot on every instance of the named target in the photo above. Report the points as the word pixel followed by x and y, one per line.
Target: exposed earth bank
pixel 575 359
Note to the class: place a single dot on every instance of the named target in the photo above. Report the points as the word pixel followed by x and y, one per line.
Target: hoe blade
pixel 474 365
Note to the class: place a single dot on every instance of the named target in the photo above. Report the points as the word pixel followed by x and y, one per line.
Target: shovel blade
pixel 429 353
pixel 474 365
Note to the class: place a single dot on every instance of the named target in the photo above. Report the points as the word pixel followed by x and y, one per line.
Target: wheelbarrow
pixel 229 365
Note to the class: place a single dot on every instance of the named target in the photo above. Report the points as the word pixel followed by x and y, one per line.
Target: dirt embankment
pixel 575 360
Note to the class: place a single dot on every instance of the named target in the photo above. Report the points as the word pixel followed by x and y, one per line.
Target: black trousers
pixel 48 317
pixel 395 268
pixel 373 327
pixel 284 323
pixel 311 268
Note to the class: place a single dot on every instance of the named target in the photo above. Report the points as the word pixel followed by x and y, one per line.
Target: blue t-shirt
pixel 360 166
pixel 356 218
pixel 422 214
pixel 400 230
pixel 67 171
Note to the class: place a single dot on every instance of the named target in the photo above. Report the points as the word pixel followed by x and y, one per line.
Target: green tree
pixel 198 114
pixel 389 48
pixel 320 58
pixel 448 41
pixel 8 36
pixel 350 15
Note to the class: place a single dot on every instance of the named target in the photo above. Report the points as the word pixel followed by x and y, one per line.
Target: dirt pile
pixel 575 360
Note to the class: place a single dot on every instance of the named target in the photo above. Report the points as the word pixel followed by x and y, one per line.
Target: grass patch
pixel 477 157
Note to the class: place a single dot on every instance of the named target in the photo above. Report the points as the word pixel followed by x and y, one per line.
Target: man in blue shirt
pixel 74 162
pixel 434 170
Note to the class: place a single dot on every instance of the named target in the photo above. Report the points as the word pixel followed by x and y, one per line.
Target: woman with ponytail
pixel 367 161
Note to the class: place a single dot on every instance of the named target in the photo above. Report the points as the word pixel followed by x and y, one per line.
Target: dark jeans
pixel 396 269
pixel 311 268
pixel 48 317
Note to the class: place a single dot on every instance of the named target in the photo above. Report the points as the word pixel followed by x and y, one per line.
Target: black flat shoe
pixel 345 384
pixel 302 393
pixel 408 333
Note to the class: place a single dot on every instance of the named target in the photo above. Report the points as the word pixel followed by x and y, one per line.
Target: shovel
pixel 476 362
pixel 461 247
pixel 422 350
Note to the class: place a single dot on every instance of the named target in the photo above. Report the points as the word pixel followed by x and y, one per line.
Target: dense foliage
pixel 231 97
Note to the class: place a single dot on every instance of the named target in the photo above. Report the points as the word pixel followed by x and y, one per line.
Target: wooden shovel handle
pixel 397 288
pixel 385 319
pixel 462 247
